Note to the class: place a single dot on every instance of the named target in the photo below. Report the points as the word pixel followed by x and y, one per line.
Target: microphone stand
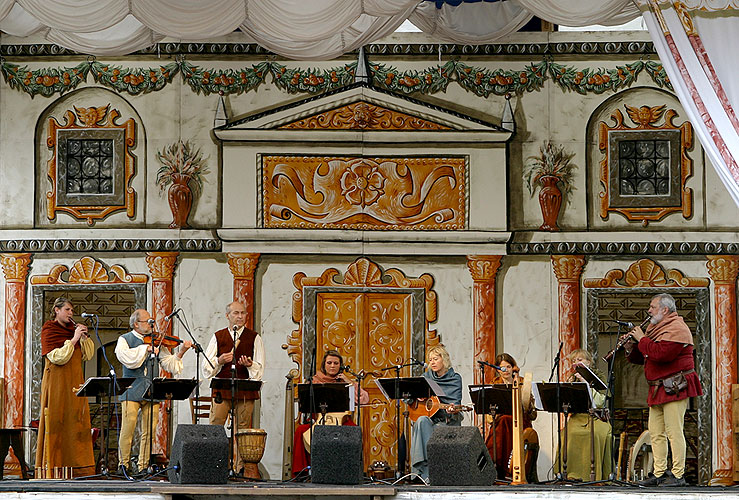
pixel 198 351
pixel 556 368
pixel 232 411
pixel 398 397
pixel 312 402
pixel 484 410
pixel 154 363
pixel 359 376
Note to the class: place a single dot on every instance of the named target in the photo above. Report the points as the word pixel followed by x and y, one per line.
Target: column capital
pixel 568 268
pixel 162 264
pixel 243 265
pixel 15 266
pixel 723 269
pixel 483 267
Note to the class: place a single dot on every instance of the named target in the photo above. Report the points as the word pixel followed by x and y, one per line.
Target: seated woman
pixel 440 371
pixel 578 432
pixel 330 372
pixel 503 428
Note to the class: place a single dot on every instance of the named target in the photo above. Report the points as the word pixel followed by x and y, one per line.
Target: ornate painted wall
pixel 420 172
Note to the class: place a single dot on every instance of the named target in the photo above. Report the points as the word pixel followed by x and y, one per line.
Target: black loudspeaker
pixel 457 456
pixel 336 454
pixel 199 455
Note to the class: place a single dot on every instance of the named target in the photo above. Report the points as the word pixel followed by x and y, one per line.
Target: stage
pixel 155 490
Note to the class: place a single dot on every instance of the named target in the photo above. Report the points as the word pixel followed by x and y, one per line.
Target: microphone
pixel 88 315
pixel 627 324
pixel 499 368
pixel 173 314
pixel 419 363
pixel 151 321
pixel 345 368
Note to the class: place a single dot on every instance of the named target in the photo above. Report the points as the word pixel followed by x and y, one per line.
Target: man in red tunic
pixel 249 363
pixel 666 351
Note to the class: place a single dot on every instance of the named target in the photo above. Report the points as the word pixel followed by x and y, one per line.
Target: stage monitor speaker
pixel 457 456
pixel 199 455
pixel 336 454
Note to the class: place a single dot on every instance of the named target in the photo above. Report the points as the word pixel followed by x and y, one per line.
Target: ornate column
pixel 568 269
pixel 484 269
pixel 15 269
pixel 723 271
pixel 161 267
pixel 243 266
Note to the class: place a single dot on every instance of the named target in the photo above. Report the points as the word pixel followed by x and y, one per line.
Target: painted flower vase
pixel 550 200
pixel 180 200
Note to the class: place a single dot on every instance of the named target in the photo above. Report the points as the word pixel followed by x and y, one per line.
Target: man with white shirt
pixel 249 364
pixel 138 362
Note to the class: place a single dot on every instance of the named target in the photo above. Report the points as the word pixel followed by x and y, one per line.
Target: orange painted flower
pixel 362 182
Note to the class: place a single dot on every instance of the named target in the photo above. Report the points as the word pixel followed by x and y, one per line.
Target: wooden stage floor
pixel 155 490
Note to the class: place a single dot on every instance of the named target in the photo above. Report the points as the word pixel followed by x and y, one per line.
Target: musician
pixel 666 351
pixel 330 372
pixel 135 354
pixel 440 371
pixel 578 431
pixel 64 437
pixel 504 423
pixel 249 365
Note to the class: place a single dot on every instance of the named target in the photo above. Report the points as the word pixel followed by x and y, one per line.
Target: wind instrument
pixel 624 340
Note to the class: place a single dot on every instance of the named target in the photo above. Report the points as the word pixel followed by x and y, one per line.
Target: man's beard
pixel 657 318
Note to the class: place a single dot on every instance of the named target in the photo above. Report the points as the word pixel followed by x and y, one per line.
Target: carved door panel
pixel 372 331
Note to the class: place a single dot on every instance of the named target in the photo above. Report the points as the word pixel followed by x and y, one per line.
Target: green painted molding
pixel 478 80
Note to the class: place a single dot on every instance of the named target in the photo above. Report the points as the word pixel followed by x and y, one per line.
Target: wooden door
pixel 372 331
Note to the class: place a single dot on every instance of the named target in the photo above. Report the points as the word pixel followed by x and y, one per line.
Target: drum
pixel 251 443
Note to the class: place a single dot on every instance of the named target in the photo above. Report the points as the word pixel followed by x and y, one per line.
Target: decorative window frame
pixel 92 207
pixel 645 118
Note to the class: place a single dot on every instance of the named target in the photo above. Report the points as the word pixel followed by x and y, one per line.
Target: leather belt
pixel 658 382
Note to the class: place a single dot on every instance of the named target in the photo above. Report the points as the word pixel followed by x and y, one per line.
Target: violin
pixel 157 339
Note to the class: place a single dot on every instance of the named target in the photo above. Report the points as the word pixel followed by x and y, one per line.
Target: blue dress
pixel 451 383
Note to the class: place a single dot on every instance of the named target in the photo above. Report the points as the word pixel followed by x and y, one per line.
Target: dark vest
pixel 224 339
pixel 137 391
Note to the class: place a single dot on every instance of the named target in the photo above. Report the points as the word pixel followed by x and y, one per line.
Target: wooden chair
pixel 200 408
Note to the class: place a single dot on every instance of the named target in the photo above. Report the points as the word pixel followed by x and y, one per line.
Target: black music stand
pixel 107 387
pixel 233 386
pixel 327 398
pixel 172 388
pixel 573 398
pixel 591 378
pixel 493 400
pixel 398 388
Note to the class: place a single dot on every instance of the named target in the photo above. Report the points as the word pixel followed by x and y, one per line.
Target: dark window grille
pixel 644 167
pixel 89 166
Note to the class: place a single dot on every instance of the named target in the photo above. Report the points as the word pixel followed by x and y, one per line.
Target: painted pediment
pixel 362 108
pixel 363 115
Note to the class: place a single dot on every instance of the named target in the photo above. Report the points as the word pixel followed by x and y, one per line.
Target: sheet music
pixel 436 388
pixel 382 389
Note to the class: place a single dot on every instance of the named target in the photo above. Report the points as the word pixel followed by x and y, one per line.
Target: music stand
pixel 493 400
pixel 105 386
pixel 172 388
pixel 327 398
pixel 573 397
pixel 406 388
pixel 591 378
pixel 234 386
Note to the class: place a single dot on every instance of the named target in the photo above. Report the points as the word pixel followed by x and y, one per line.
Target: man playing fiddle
pixel 135 353
pixel 666 351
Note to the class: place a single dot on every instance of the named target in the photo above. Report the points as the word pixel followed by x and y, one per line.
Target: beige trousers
pixel 666 424
pixel 130 410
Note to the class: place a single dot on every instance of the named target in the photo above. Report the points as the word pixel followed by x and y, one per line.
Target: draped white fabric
pixel 700 60
pixel 583 13
pixel 300 29
pixel 472 23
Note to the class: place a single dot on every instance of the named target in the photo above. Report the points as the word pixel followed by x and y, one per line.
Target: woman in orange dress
pixel 64 437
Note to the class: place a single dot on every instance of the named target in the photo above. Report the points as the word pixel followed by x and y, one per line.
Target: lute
pixel 430 406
